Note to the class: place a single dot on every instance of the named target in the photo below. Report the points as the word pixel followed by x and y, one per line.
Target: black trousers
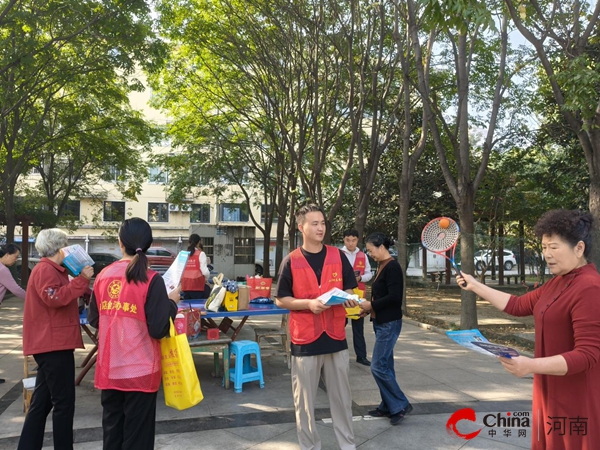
pixel 54 390
pixel 358 337
pixel 128 419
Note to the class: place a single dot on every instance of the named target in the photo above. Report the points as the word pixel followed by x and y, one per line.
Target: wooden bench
pixel 203 345
pixel 437 277
pixel 508 277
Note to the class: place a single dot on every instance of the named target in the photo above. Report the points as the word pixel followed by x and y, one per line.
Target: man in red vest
pixel 317 331
pixel 362 272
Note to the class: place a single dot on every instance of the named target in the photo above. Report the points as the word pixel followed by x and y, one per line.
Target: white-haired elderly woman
pixel 51 333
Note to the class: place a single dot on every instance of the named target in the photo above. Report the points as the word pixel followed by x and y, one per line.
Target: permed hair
pixel 571 225
pixel 378 239
pixel 304 210
pixel 49 241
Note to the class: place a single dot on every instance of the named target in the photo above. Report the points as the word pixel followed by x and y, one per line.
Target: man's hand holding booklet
pixel 337 296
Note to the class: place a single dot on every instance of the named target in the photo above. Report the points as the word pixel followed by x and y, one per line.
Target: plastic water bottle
pixel 180 324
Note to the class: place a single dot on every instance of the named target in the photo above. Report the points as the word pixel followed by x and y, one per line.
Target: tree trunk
pixel 500 254
pixel 522 249
pixel 403 208
pixel 9 212
pixel 468 313
pixel 594 205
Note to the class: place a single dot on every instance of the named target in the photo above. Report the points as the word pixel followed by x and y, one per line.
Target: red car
pixel 160 258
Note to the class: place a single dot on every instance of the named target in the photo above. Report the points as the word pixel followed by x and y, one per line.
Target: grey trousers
pixel 306 372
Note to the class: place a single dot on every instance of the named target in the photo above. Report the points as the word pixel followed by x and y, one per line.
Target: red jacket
pixel 305 326
pixel 566 310
pixel 51 316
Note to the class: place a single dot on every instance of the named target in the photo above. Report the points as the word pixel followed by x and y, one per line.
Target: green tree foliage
pixel 65 72
pixel 565 35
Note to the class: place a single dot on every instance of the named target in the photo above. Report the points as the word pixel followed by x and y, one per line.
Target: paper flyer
pixel 172 276
pixel 497 349
pixel 76 258
pixel 474 340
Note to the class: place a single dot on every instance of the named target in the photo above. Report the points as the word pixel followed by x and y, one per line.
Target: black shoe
pixel 395 419
pixel 378 413
pixel 363 361
pixel 2 380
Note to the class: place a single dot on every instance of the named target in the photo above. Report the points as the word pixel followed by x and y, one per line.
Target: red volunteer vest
pixel 359 266
pixel 305 326
pixel 192 278
pixel 128 358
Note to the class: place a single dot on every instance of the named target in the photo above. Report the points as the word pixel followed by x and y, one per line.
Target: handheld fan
pixel 441 235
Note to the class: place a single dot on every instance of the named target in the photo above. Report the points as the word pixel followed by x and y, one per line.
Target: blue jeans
pixel 393 399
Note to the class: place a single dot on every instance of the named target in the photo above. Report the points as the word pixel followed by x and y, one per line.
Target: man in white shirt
pixel 362 271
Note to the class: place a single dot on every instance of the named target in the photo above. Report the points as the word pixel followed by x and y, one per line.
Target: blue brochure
pixel 474 340
pixel 497 350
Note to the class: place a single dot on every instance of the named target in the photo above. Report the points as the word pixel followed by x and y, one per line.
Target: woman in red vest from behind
pixel 195 274
pixel 132 311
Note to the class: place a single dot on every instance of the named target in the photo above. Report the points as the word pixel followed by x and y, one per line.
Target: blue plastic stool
pixel 244 371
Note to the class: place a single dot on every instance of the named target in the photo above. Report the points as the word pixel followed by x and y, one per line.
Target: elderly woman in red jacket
pixel 51 333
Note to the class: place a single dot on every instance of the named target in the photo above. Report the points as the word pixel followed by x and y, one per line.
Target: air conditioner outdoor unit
pixel 173 207
pixel 186 208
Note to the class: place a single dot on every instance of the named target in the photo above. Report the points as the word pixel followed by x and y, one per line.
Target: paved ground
pixel 438 376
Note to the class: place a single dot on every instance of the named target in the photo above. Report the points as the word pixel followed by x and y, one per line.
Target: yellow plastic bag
pixel 354 312
pixel 180 380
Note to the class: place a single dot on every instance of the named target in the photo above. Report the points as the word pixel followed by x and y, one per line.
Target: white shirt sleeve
pixel 368 274
pixel 203 266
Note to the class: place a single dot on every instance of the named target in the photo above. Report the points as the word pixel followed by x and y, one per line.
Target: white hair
pixel 50 241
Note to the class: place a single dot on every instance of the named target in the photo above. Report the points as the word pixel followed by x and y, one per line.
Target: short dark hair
pixel 571 225
pixel 378 239
pixel 351 232
pixel 9 249
pixel 305 209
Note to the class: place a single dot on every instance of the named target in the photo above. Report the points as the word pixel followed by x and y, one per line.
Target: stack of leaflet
pixel 337 296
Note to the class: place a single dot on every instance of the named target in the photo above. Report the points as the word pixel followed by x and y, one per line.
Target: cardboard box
pixel 243 297
pixel 193 320
pixel 212 334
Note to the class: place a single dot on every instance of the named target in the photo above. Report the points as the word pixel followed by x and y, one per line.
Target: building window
pixel 243 251
pixel 200 213
pixel 114 211
pixel 264 209
pixel 233 212
pixel 158 212
pixel 157 175
pixel 112 175
pixel 72 209
pixel 208 244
